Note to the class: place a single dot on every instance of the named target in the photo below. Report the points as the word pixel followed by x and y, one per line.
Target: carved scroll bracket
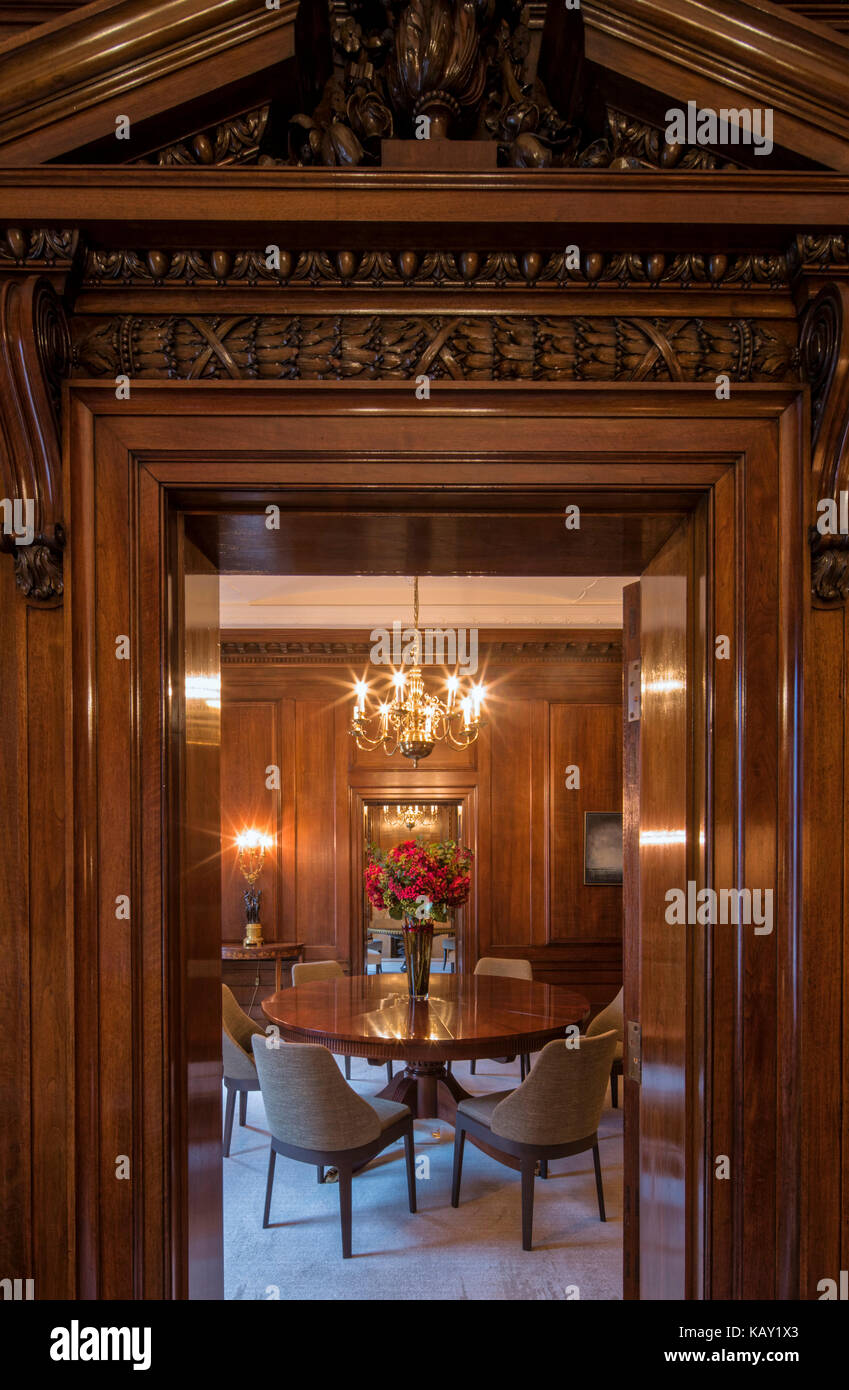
pixel 34 357
pixel 824 350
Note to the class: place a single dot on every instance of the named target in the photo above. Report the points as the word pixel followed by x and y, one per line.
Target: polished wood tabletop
pixel 466 1016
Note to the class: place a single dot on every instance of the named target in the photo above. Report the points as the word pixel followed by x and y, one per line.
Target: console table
pixel 281 952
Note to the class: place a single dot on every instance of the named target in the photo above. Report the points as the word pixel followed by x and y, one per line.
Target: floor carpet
pixel 474 1252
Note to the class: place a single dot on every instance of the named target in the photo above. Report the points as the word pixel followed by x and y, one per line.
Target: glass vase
pixel 418 946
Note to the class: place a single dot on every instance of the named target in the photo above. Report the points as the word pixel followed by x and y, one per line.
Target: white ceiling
pixel 368 601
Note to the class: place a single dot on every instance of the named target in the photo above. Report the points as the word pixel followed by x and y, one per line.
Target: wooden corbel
pixel 824 351
pixel 34 357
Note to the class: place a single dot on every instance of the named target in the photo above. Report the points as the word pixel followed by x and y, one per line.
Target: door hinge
pixel 634 1051
pixel 634 689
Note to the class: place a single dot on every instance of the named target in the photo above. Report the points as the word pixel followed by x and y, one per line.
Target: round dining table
pixel 465 1017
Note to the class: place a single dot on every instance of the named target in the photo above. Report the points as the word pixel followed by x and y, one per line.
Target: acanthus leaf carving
pixel 824 360
pixel 34 358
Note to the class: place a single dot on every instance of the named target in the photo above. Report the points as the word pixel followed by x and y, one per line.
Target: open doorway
pixel 567 723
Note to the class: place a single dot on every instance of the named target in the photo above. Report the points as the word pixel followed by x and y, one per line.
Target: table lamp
pixel 251 845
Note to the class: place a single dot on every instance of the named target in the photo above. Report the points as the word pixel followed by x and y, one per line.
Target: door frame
pixel 132 466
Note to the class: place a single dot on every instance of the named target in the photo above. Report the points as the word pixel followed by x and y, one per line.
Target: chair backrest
pixel 237 1029
pixel 610 1017
pixel 498 965
pixel 315 970
pixel 307 1100
pixel 561 1099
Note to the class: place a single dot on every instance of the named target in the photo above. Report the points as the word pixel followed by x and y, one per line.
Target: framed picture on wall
pixel 602 847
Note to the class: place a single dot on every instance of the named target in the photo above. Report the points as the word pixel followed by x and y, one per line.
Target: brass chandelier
pixel 410 817
pixel 413 720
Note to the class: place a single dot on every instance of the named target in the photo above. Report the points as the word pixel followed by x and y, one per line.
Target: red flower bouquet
pixel 419 881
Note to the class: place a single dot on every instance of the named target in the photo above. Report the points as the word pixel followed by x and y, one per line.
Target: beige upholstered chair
pixel 240 1076
pixel 316 1117
pixel 554 1113
pixel 307 970
pixel 612 1017
pixel 449 947
pixel 514 970
pixel 325 970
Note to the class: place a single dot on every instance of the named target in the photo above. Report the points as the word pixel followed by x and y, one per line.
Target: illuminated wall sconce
pixel 252 845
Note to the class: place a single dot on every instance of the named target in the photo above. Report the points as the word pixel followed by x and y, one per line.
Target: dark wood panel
pixel 249 746
pixel 588 737
pixel 315 827
pixel 510 739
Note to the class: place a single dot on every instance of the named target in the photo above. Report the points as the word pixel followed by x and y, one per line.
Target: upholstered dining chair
pixel 612 1017
pixel 554 1113
pixel 237 1029
pixel 308 970
pixel 514 970
pixel 316 1117
pixel 449 945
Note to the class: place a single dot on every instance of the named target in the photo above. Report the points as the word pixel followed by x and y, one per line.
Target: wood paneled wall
pixel 525 825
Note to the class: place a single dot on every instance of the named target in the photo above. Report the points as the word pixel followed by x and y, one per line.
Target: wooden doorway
pixel 499 454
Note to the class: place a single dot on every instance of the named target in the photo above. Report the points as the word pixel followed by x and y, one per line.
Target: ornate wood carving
pixel 235 141
pixel 34 357
pixel 331 653
pixel 824 352
pixel 404 346
pixel 463 269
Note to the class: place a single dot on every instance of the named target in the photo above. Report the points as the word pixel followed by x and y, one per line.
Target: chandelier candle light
pixel 419 884
pixel 408 817
pixel 414 720
pixel 252 845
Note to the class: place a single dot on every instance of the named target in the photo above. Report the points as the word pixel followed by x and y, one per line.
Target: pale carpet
pixel 474 1252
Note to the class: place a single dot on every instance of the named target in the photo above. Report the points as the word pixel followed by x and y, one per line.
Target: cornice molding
pixel 63 84
pixel 745 53
pixel 303 347
pixel 339 652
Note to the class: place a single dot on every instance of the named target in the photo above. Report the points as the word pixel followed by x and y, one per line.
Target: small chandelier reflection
pixel 412 720
pixel 410 817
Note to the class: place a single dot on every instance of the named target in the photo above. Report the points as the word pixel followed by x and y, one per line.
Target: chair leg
pixel 228 1120
pixel 410 1155
pixel 527 1061
pixel 459 1145
pixel 528 1169
pixel 268 1186
pixel 543 1167
pixel 320 1171
pixel 243 1108
pixel 345 1210
pixel 598 1187
pixel 472 1066
pixel 347 1069
pixel 388 1071
pixel 614 1089
pixel 448 1071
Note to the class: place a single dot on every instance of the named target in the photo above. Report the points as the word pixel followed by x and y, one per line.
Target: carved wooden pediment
pixel 351 84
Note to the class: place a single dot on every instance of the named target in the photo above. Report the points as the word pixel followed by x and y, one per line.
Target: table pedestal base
pixel 431 1093
pixel 428 1090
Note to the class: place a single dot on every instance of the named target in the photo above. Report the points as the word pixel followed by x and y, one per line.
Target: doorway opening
pixel 555 708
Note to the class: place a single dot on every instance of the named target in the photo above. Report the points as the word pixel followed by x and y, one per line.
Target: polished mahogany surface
pixel 466 1016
